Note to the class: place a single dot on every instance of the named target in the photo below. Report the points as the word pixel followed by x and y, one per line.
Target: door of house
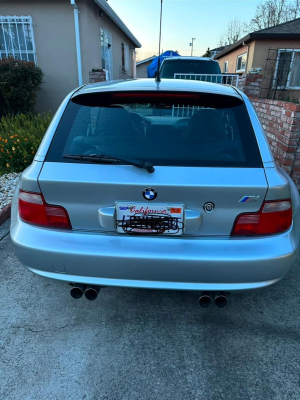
pixel 106 53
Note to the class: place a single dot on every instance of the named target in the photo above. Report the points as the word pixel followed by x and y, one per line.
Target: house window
pixel 106 53
pixel 125 58
pixel 226 67
pixel 287 73
pixel 241 63
pixel 16 38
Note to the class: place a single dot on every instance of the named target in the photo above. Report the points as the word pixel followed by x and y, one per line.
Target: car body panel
pixel 204 258
pixel 150 262
pixel 279 186
pixel 82 189
pixel 175 85
pixel 29 177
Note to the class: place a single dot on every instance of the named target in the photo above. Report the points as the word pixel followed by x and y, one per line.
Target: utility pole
pixel 192 44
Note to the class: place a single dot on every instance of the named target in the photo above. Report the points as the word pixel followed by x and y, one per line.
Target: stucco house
pixel 141 67
pixel 67 39
pixel 275 50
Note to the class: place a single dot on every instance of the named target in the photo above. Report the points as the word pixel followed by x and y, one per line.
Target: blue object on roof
pixel 153 66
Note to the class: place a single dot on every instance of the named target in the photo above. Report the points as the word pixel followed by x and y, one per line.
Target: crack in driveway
pixel 30 329
pixel 4 236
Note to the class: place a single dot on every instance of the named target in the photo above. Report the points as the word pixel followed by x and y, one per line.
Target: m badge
pixel 249 199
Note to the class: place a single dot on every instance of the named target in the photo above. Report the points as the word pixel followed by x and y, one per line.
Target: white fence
pixel 225 79
pixel 184 111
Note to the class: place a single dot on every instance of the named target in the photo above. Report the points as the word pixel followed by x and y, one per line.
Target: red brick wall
pixel 250 84
pixel 281 122
pixel 97 76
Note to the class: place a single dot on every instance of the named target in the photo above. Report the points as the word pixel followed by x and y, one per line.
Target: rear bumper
pixel 187 263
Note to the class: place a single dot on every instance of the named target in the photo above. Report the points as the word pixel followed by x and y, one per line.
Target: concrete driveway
pixel 144 345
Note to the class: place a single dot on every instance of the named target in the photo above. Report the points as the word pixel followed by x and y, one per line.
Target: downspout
pixel 77 36
pixel 248 46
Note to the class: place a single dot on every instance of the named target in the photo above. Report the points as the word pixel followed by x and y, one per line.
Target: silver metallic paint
pixel 83 189
pixel 151 262
pixel 195 261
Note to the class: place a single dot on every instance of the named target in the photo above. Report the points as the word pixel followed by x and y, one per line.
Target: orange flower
pixel 7 165
pixel 5 140
pixel 2 150
pixel 18 140
pixel 25 139
pixel 9 156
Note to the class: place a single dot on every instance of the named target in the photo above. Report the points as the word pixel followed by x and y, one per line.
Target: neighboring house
pixel 276 50
pixel 217 50
pixel 141 67
pixel 67 39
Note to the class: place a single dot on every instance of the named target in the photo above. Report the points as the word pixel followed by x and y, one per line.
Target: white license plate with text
pixel 157 219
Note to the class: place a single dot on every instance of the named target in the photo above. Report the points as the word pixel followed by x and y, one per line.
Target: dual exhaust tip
pixel 208 298
pixel 90 292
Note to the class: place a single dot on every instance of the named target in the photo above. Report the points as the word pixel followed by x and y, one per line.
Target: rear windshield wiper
pixel 103 158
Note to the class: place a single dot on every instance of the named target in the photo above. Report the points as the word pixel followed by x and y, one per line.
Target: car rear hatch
pixel 208 168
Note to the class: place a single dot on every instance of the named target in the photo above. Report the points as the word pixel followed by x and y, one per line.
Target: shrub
pixel 20 137
pixel 19 83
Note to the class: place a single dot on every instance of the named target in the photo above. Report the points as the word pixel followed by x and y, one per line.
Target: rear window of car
pixel 169 68
pixel 166 129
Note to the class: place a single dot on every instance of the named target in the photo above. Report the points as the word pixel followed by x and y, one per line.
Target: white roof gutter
pixel 113 16
pixel 77 37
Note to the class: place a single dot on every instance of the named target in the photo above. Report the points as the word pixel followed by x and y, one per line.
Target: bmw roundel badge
pixel 149 194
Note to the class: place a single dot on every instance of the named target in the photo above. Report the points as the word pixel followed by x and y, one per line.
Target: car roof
pixel 189 58
pixel 150 84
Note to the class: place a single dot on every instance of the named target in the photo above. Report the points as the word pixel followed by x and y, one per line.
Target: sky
pixel 182 20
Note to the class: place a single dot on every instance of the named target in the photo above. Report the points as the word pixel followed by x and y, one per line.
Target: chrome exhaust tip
pixel 205 300
pixel 77 290
pixel 220 299
pixel 91 292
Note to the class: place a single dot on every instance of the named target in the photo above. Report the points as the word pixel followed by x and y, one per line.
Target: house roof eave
pixel 239 43
pixel 117 20
pixel 266 36
pixel 146 60
pixel 257 36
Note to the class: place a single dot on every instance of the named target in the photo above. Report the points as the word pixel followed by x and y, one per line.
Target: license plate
pixel 156 219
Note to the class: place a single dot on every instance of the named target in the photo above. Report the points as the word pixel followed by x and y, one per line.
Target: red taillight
pixel 274 217
pixel 150 95
pixel 34 209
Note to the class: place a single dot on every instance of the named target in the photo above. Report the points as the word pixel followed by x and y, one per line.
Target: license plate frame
pixel 154 219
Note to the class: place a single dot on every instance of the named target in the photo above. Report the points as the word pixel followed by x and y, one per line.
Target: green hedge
pixel 19 83
pixel 20 137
